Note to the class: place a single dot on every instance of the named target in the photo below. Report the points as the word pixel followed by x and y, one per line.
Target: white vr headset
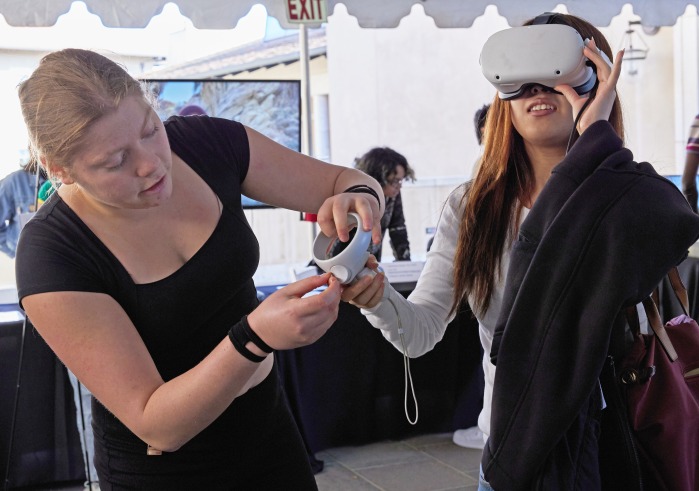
pixel 541 54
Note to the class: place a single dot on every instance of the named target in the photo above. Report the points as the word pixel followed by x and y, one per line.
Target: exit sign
pixel 306 11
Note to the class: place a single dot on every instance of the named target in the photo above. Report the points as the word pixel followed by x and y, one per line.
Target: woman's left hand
pixel 366 292
pixel 332 216
pixel 601 106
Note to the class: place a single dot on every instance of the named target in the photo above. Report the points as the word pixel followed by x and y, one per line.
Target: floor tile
pixel 427 475
pixel 461 459
pixel 376 454
pixel 335 477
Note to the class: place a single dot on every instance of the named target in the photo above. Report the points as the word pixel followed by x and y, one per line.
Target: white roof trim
pixel 224 14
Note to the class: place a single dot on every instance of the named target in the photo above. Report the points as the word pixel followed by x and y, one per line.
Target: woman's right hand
pixel 288 319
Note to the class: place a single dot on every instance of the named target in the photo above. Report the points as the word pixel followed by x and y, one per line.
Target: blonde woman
pixel 138 272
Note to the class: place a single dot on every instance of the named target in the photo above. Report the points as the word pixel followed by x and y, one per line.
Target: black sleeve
pixel 56 252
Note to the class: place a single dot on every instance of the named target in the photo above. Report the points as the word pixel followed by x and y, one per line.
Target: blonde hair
pixel 68 91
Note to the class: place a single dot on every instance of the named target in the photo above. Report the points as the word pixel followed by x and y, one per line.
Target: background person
pixel 479 119
pixel 691 164
pixel 192 110
pixel 390 169
pixel 18 192
pixel 137 272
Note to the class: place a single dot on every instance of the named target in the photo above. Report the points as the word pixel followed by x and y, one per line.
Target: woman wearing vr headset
pixel 541 414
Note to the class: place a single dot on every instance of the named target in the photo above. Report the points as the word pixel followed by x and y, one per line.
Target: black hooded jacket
pixel 602 234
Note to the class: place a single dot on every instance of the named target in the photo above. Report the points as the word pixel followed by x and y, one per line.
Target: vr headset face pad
pixel 546 54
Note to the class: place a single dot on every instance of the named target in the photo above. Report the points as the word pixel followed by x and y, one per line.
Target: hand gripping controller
pixel 349 264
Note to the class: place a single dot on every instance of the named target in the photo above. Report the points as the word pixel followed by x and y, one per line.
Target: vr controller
pixel 349 264
pixel 514 59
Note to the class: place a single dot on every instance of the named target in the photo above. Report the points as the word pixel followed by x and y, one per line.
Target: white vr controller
pixel 544 54
pixel 350 264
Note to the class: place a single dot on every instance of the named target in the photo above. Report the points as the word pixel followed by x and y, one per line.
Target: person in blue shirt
pixel 17 197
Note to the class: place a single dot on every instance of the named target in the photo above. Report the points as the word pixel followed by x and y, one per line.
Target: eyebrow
pixel 102 160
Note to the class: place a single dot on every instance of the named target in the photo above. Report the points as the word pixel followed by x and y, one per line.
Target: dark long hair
pixel 503 180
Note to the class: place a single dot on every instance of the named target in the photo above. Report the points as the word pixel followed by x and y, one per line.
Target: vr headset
pixel 541 54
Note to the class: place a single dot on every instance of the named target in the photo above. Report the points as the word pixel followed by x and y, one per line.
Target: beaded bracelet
pixel 241 334
pixel 363 188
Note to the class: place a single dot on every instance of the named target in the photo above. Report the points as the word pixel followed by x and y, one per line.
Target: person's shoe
pixel 469 438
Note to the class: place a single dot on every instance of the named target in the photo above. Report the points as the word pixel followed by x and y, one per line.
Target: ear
pixel 56 171
pixel 64 179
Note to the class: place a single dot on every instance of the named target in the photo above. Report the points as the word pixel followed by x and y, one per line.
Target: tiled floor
pixel 423 463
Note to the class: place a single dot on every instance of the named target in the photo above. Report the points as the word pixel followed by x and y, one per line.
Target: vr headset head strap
pixel 545 18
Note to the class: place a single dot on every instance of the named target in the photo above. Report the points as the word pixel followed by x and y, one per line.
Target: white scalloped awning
pixel 224 14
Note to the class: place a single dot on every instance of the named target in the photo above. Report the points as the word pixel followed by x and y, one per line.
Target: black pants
pixel 255 445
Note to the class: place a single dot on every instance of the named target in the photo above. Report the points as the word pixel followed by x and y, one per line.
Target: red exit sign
pixel 306 11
